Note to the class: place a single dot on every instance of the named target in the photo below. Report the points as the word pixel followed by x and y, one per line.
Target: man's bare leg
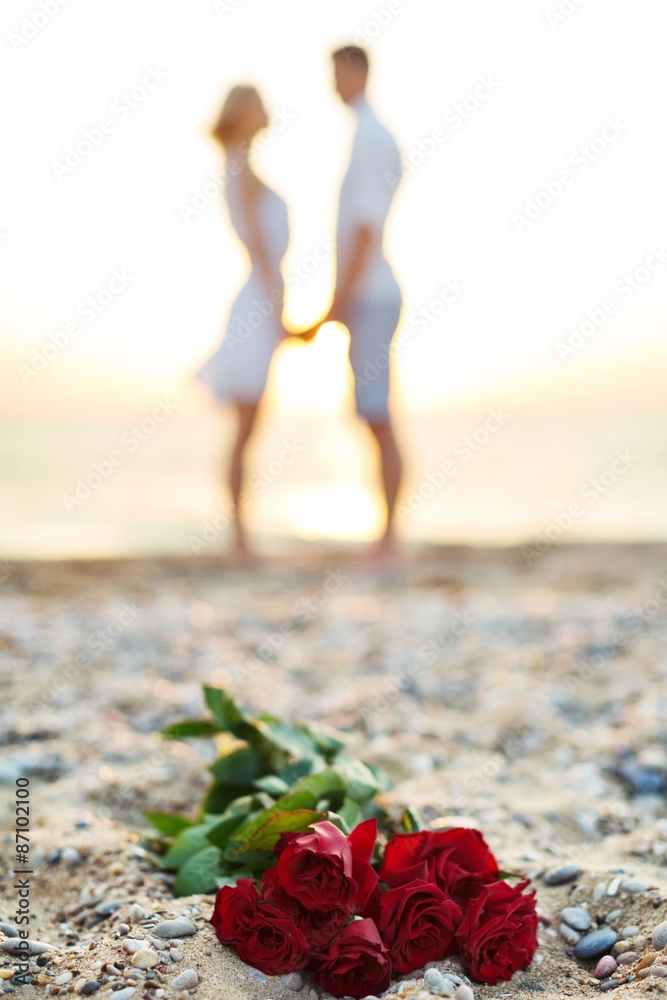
pixel 247 413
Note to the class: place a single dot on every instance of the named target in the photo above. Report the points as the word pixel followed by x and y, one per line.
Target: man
pixel 367 297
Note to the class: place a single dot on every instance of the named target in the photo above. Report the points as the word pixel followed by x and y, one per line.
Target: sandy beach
pixel 525 700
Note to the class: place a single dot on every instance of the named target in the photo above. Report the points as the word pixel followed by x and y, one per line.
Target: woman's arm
pixel 271 278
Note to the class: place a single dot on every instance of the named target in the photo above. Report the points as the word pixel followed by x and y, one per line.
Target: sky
pixel 533 142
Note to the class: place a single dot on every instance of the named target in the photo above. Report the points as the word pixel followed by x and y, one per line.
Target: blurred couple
pixel 367 298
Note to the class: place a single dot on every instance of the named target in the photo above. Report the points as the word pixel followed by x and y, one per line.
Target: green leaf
pixel 338 821
pixel 191 727
pixel 292 739
pixel 328 740
pixel 351 813
pixel 361 783
pixel 221 832
pixel 220 796
pixel 169 824
pixel 264 837
pixel 272 785
pixel 230 717
pixel 240 767
pixel 411 820
pixel 200 873
pixel 187 843
pixel 302 768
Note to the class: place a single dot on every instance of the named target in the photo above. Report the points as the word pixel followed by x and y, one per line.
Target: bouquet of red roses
pixel 323 907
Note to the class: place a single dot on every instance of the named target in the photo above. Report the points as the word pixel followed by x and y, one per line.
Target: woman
pixel 238 370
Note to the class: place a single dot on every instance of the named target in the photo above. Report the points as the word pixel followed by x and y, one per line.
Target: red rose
pixel 260 933
pixel 319 927
pixel 418 923
pixel 325 870
pixel 458 861
pixel 356 964
pixel 498 934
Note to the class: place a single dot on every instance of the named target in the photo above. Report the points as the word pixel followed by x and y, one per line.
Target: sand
pixel 528 701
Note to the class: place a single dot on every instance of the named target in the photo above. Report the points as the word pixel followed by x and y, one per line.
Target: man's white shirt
pixel 365 199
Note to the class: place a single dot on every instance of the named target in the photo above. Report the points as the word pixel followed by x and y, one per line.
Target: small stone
pixel 621 946
pixel 259 976
pixel 599 891
pixel 175 955
pixel 609 984
pixel 653 970
pixel 614 886
pixel 6 973
pixel 562 874
pixel 8 929
pixel 292 980
pixel 134 944
pixel 634 886
pixel 187 980
pixel 159 945
pixel 605 967
pixel 629 931
pixel 577 918
pixel 106 909
pixel 63 978
pixel 434 980
pixel 174 928
pixel 145 959
pixel 648 959
pixel 639 942
pixel 614 916
pixel 123 929
pixel 659 936
pixel 627 958
pixel 125 994
pixel 16 946
pixel 70 857
pixel 464 992
pixel 92 986
pixel 569 934
pixel 136 913
pixel 595 944
pixel 112 970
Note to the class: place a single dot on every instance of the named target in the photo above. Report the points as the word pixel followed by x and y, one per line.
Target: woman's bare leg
pixel 246 414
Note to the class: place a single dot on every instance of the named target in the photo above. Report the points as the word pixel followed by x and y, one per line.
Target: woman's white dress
pixel 237 371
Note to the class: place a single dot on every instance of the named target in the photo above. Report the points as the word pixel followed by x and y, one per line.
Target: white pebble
pixel 175 955
pixel 63 978
pixel 136 913
pixel 292 980
pixel 187 980
pixel 464 992
pixel 599 891
pixel 145 959
pixel 614 886
pixel 134 944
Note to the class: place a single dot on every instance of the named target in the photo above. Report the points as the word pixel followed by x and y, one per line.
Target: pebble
pixel 125 994
pixel 599 891
pixel 614 916
pixel 609 984
pixel 577 918
pixel 629 931
pixel 659 936
pixel 6 973
pixel 464 992
pixel 92 986
pixel 434 979
pixel 136 913
pixel 123 929
pixel 70 857
pixel 188 979
pixel 112 970
pixel 134 944
pixel 648 959
pixel 159 945
pixel 292 980
pixel 605 967
pixel 14 946
pixel 174 929
pixel 627 958
pixel 614 886
pixel 635 887
pixel 595 944
pixel 569 934
pixel 145 959
pixel 562 874
pixel 653 970
pixel 175 955
pixel 63 978
pixel 621 946
pixel 8 930
pixel 106 909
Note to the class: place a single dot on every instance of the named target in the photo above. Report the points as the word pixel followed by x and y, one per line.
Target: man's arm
pixel 348 279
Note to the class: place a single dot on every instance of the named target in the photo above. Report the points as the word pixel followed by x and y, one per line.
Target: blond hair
pixel 226 129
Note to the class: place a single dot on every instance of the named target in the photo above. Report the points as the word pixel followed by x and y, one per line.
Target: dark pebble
pixel 43 960
pixel 90 987
pixel 561 875
pixel 596 943
pixel 609 984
